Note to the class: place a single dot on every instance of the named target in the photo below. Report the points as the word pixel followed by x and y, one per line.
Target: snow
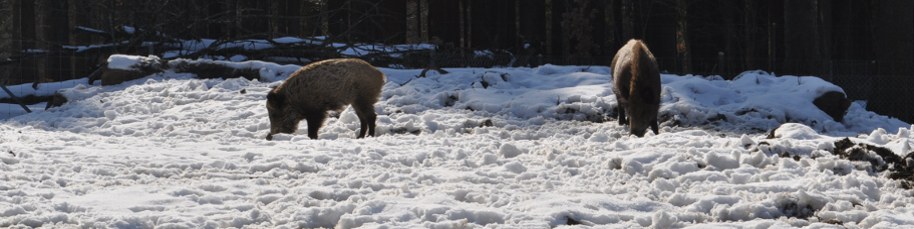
pixel 43 89
pixel 478 147
pixel 129 62
pixel 128 29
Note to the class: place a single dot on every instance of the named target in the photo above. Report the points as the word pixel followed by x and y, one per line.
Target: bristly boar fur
pixel 322 86
pixel 636 83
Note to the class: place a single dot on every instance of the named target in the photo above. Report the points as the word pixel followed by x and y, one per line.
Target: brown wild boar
pixel 636 83
pixel 322 86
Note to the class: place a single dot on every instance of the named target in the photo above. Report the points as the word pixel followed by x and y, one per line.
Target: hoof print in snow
pixel 800 211
pixel 449 100
pixel 833 222
pixel 716 118
pixel 478 124
pixel 486 123
pixel 572 221
pixel 490 78
pixel 404 130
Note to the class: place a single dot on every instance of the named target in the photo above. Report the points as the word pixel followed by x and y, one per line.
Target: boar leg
pixel 315 121
pixel 654 127
pixel 621 115
pixel 367 118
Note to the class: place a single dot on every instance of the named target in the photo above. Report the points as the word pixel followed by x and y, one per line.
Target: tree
pixel 683 56
pixel 53 32
pixel 491 24
pixel 750 60
pixel 628 19
pixel 892 35
pixel 444 21
pixel 23 27
pixel 801 37
pixel 413 21
pixel 578 29
pixel 6 37
pixel 530 19
pixel 253 21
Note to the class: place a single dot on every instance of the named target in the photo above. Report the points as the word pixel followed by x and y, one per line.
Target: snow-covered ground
pixel 498 148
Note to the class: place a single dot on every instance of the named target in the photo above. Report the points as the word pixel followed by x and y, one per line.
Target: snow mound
pixel 757 100
pixel 795 131
pixel 135 63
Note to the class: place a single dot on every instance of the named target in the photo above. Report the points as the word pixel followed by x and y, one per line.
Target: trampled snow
pixel 477 147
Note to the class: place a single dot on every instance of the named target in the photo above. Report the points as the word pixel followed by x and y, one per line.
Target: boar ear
pixel 274 97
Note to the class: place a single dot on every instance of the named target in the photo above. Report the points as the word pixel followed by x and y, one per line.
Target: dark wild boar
pixel 636 83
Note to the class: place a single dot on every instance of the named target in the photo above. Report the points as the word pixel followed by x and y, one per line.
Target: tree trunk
pixel 550 50
pixel 578 27
pixel 801 37
pixel 445 22
pixel 628 20
pixel 253 21
pixel 825 38
pixel 461 8
pixel 389 22
pixel 730 46
pixel 423 20
pixel 892 35
pixel 468 21
pixel 682 37
pixel 531 33
pixel 338 19
pixel 276 17
pixel 216 29
pixel 413 33
pixel 597 32
pixel 292 19
pixel 80 15
pixel 24 23
pixel 750 60
pixel 490 24
pixel 611 27
pixel 53 32
pixel 558 37
pixel 417 29
pixel 6 38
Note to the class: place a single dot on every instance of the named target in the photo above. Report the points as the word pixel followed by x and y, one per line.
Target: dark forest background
pixel 865 46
